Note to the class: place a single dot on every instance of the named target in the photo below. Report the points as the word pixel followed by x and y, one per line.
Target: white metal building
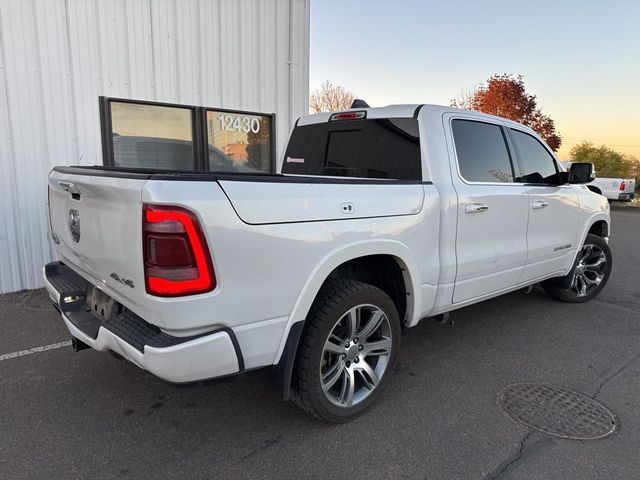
pixel 58 56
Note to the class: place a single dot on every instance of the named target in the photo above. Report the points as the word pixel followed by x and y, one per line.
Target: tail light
pixel 622 186
pixel 176 257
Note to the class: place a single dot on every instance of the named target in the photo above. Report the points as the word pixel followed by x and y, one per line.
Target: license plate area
pixel 99 303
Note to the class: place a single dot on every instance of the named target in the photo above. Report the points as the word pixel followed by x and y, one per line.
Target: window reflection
pixel 238 141
pixel 152 136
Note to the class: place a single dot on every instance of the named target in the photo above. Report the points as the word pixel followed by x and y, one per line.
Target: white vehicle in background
pixel 621 189
pixel 614 188
pixel 380 217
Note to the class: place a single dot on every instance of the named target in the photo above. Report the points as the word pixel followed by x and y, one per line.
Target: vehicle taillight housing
pixel 622 186
pixel 176 256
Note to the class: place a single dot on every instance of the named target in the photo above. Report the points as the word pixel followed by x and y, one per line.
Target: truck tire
pixel 589 275
pixel 347 352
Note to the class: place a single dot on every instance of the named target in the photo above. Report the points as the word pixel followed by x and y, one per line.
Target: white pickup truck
pixel 379 218
pixel 620 189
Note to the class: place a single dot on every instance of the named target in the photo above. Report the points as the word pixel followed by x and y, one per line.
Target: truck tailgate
pixel 629 185
pixel 96 224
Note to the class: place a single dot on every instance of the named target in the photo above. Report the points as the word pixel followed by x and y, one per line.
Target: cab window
pixel 537 163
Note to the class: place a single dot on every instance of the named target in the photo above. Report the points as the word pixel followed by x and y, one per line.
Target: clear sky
pixel 580 58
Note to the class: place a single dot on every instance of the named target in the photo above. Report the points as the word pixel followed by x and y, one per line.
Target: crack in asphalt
pixel 526 448
pixel 614 372
pixel 508 463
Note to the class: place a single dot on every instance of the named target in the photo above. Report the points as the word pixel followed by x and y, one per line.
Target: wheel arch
pixel 599 228
pixel 599 224
pixel 323 271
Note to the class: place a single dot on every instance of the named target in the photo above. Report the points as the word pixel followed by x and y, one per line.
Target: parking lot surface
pixel 89 415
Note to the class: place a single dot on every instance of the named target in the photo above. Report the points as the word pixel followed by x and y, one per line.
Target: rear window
pixel 381 148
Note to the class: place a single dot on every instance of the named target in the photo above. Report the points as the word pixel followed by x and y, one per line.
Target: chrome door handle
pixel 539 204
pixel 475 207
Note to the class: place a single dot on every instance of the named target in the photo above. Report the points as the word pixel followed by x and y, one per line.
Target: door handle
pixel 69 187
pixel 539 204
pixel 475 207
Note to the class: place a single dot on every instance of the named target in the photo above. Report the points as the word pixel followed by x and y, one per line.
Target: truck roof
pixel 404 111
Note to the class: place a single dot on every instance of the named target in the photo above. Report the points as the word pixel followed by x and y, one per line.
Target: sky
pixel 580 58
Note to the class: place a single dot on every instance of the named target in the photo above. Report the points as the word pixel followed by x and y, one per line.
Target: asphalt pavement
pixel 89 415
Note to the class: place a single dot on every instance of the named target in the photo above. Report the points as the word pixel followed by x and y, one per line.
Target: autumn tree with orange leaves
pixel 505 96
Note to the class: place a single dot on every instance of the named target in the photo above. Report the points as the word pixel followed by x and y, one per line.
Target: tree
pixel 330 98
pixel 505 96
pixel 607 161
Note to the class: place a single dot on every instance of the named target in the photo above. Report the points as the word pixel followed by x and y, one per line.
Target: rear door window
pixel 483 155
pixel 375 148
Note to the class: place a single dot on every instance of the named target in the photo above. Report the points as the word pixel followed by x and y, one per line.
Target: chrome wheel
pixel 590 270
pixel 355 355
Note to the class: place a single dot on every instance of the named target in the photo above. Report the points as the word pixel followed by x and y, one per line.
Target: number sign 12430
pixel 239 123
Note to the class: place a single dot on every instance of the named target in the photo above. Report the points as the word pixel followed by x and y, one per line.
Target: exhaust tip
pixel 77 345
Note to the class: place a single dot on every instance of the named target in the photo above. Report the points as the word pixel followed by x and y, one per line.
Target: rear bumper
pixel 626 196
pixel 175 359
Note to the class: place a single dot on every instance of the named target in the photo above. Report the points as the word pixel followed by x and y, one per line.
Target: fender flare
pixel 288 347
pixel 593 219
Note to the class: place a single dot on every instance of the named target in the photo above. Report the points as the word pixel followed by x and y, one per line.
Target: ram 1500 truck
pixel 380 217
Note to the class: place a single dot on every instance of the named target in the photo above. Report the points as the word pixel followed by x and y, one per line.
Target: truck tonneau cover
pixel 191 176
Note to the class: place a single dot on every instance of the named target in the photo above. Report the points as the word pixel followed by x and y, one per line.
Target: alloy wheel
pixel 355 355
pixel 590 270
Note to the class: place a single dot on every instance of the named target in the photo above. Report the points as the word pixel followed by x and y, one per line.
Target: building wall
pixel 58 56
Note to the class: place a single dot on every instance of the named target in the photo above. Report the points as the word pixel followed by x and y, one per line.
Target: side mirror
pixel 581 173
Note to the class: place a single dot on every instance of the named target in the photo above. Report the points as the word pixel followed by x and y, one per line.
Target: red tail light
pixel 176 257
pixel 622 186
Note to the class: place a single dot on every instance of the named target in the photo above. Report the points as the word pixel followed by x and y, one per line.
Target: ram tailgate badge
pixel 74 224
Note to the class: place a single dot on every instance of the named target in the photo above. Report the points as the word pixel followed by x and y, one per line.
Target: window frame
pixel 519 157
pixel 198 130
pixel 507 141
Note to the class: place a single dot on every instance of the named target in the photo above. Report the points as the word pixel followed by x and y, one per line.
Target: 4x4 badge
pixel 74 224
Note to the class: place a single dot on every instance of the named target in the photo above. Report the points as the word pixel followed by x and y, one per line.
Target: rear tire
pixel 348 350
pixel 588 277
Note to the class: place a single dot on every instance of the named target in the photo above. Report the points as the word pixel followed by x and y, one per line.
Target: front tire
pixel 588 277
pixel 349 348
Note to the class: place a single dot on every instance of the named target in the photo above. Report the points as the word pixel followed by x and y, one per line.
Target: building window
pixel 152 136
pixel 242 138
pixel 157 136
